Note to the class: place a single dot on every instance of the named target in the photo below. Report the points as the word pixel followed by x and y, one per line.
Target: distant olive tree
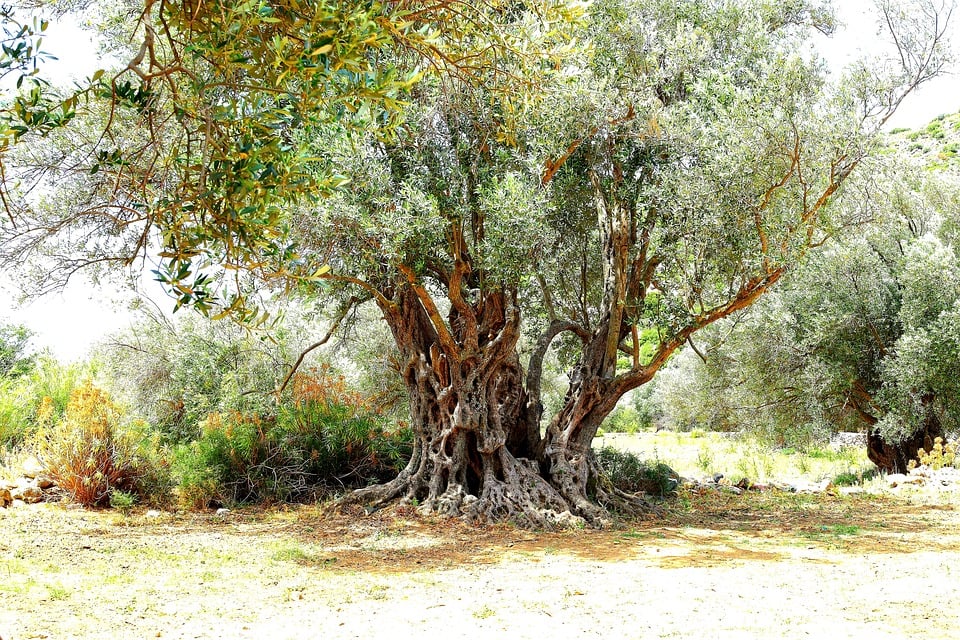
pixel 865 337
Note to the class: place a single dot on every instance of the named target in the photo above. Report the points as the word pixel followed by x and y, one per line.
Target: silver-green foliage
pixel 865 335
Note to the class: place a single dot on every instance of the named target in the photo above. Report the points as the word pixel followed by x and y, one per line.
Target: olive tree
pixel 613 199
pixel 656 187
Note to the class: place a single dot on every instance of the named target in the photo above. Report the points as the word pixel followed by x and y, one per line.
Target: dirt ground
pixel 712 566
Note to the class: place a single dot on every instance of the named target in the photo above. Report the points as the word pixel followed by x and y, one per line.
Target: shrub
pixel 15 413
pixel 84 451
pixel 629 473
pixel 324 437
pixel 340 431
pixel 122 501
pixel 39 395
pixel 623 420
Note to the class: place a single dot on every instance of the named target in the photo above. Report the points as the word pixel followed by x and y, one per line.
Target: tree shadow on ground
pixel 703 530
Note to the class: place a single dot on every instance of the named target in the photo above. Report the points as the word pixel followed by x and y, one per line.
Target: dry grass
pixel 712 565
pixel 740 561
pixel 702 454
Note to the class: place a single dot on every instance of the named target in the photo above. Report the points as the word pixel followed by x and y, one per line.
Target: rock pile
pixel 31 487
pixel 723 484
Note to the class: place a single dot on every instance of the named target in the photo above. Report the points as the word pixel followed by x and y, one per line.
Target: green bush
pixel 630 473
pixel 623 420
pixel 324 438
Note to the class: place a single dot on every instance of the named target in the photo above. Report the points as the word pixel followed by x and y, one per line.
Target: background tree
pixel 862 337
pixel 15 357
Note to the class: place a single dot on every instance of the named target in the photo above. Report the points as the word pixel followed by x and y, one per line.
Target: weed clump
pixel 943 454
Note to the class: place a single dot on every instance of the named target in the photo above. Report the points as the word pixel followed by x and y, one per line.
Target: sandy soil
pixel 715 566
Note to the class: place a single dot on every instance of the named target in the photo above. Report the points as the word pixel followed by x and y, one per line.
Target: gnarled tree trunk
pixel 468 410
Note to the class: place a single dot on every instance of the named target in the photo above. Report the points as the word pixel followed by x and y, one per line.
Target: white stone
pixel 896 479
pixel 32 467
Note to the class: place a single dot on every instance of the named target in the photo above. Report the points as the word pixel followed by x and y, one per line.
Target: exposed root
pixel 494 486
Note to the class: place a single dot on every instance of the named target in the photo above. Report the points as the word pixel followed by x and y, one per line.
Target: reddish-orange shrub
pixel 84 452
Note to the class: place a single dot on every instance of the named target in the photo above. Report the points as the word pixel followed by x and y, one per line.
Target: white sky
pixel 71 322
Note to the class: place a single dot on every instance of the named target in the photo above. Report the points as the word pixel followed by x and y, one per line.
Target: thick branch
pixel 443 333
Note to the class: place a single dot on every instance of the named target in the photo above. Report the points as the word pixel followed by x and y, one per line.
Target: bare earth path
pixel 716 566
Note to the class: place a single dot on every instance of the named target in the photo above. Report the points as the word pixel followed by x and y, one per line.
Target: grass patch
pixel 484 612
pixel 736 457
pixel 57 593
pixel 291 552
pixel 832 531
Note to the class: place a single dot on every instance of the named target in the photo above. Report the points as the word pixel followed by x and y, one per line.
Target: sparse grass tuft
pixel 484 612
pixel 847 479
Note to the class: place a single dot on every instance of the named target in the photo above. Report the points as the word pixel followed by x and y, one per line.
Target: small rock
pixel 717 477
pixel 45 482
pixel 567 520
pixel 32 467
pixel 896 479
pixel 222 512
pixel 725 488
pixel 5 499
pixel 31 494
pixel 152 513
pixel 18 503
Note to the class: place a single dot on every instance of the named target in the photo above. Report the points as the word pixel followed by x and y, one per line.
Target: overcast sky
pixel 69 323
